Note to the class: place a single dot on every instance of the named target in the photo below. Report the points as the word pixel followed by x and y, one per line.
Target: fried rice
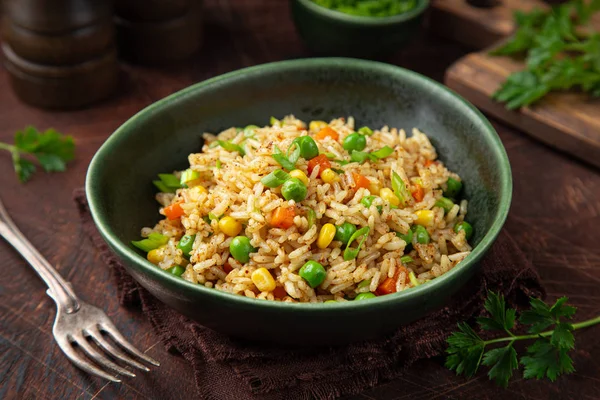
pixel 229 175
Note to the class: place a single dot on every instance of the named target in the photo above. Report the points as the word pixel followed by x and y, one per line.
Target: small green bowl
pixel 159 138
pixel 333 33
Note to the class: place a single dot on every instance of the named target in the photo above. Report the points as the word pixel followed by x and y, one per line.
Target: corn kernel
pixel 326 236
pixel 329 176
pixel 387 195
pixel 374 187
pixel 198 189
pixel 263 280
pixel 424 217
pixel 316 126
pixel 298 174
pixel 230 226
pixel 155 256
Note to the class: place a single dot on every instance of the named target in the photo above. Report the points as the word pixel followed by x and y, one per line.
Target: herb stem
pixel 579 325
pixel 7 147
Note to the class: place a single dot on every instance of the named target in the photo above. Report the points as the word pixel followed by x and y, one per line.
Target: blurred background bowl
pixel 330 32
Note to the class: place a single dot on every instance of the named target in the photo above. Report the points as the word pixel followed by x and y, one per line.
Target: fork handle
pixel 61 290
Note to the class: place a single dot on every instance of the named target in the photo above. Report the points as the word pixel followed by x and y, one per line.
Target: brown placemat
pixel 227 368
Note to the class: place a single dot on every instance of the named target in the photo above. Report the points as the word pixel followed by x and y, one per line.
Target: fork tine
pixel 80 362
pixel 99 358
pixel 96 335
pixel 109 328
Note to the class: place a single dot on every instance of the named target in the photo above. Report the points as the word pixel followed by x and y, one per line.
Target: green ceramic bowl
pixel 333 33
pixel 160 137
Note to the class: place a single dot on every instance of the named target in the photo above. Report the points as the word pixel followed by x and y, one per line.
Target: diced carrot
pixel 173 211
pixel 321 160
pixel 389 284
pixel 227 268
pixel 279 292
pixel 429 162
pixel 325 132
pixel 283 217
pixel 418 193
pixel 361 181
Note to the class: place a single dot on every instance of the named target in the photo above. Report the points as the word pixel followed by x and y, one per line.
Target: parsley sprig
pixel 51 149
pixel 546 357
pixel 562 51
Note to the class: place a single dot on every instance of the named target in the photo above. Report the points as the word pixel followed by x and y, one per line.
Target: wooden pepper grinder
pixel 158 31
pixel 60 54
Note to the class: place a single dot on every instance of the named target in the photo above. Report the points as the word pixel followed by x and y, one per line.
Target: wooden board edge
pixel 577 146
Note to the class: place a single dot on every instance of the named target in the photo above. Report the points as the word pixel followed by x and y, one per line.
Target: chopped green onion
pixel 383 152
pixel 275 178
pixel 293 152
pixel 218 164
pixel 249 131
pixel 406 259
pixel 216 142
pixel 367 201
pixel 153 241
pixel 170 180
pixel 163 188
pixel 206 219
pixel 413 279
pixel 231 147
pixel 400 189
pixel 283 160
pixel 359 156
pixel 189 175
pixel 329 155
pixel 311 217
pixel 351 254
pixel 273 120
pixel 213 217
pixel 364 283
pixel 365 130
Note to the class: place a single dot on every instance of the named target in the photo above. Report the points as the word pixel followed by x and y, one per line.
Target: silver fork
pixel 76 321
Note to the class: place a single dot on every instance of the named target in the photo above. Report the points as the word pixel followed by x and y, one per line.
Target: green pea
pixel 344 232
pixel 445 203
pixel 185 244
pixel 313 273
pixel 421 234
pixel 406 237
pixel 330 301
pixel 365 296
pixel 453 188
pixel 308 147
pixel 354 141
pixel 240 248
pixel 367 201
pixel 176 270
pixel 294 189
pixel 464 226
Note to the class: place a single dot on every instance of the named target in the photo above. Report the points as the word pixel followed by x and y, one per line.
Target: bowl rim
pixel 126 251
pixel 420 7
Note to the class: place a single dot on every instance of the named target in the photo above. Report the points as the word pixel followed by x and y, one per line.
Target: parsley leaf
pixel 503 362
pixel 546 357
pixel 555 56
pixel 51 149
pixel 501 318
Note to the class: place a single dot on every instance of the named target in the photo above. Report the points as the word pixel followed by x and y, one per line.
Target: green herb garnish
pixel 51 149
pixel 275 179
pixel 287 161
pixel 229 146
pixel 558 57
pixel 400 189
pixel 153 241
pixel 168 183
pixel 362 156
pixel 350 253
pixel 546 357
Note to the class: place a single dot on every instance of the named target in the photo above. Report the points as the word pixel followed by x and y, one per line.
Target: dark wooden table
pixel 555 215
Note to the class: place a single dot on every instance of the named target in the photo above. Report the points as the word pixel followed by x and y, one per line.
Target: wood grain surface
pixel 555 215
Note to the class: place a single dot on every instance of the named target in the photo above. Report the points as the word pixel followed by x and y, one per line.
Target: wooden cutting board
pixel 568 121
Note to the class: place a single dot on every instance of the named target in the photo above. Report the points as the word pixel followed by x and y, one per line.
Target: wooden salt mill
pixel 60 54
pixel 158 31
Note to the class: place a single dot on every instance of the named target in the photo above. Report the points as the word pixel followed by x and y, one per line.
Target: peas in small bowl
pixel 330 32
